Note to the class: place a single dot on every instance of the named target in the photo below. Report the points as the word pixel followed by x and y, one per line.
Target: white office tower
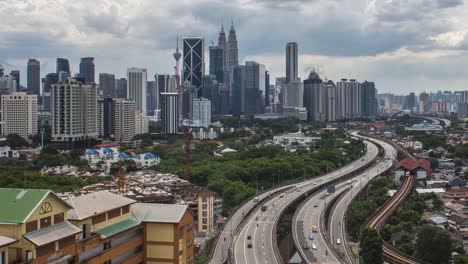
pixel 74 114
pixel 136 87
pixel 202 112
pixel 124 122
pixel 8 84
pixel 141 123
pixel 291 62
pixel 18 114
pixel 293 93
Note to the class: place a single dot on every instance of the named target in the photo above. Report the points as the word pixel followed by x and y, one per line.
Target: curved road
pixel 260 226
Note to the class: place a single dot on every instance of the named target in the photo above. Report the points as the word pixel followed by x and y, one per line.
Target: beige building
pixel 124 120
pixel 18 114
pixel 205 202
pixel 141 123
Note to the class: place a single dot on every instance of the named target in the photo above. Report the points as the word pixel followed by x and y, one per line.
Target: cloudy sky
pixel 402 45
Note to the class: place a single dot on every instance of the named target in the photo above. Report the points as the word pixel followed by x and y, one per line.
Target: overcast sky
pixel 401 45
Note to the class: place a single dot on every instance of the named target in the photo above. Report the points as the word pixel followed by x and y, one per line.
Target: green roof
pixel 18 204
pixel 118 227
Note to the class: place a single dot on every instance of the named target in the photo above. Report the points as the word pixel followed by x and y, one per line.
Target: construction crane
pixel 121 179
pixel 188 148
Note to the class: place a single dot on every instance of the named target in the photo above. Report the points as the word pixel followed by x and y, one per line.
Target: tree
pixel 433 244
pixel 386 233
pixel 146 141
pixel 371 246
pixel 460 259
pixel 49 150
pixel 15 141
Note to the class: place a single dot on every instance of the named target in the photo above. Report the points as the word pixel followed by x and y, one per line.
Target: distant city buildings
pixel 87 71
pixel 291 62
pixel 107 85
pixel 202 112
pixel 18 114
pixel 169 112
pixel 194 63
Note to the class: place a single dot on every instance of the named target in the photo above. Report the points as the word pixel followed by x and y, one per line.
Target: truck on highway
pixel 264 208
pixel 314 229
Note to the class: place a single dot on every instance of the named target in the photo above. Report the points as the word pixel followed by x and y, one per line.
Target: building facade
pixel 18 114
pixel 107 84
pixel 74 114
pixel 169 112
pixel 62 65
pixel 291 62
pixel 202 112
pixel 136 87
pixel 217 62
pixel 34 77
pixel 205 204
pixel 193 68
pixel 87 69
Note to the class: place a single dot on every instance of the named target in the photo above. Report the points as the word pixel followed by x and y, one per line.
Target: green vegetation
pixel 14 141
pixel 360 210
pixel 433 244
pixel 236 176
pixel 19 175
pixel 371 247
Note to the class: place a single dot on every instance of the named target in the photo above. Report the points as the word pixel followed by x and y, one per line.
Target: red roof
pixel 108 145
pixel 410 164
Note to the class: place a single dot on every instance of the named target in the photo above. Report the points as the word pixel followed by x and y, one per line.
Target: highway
pixel 311 214
pixel 256 242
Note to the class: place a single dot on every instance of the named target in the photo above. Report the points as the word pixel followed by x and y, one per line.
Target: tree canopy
pixel 433 244
pixel 371 247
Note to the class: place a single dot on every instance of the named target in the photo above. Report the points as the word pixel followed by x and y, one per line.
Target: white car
pixel 338 241
pixel 314 246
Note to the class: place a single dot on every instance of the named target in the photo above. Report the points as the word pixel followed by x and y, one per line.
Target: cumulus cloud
pixel 389 42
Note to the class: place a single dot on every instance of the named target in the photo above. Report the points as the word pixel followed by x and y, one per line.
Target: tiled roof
pixel 52 233
pixel 410 165
pixel 159 213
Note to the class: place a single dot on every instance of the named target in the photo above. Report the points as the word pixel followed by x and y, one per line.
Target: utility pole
pixel 42 136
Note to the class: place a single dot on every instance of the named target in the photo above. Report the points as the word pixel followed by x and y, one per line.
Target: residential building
pixel 315 98
pixel 106 117
pixel 124 120
pixel 330 90
pixel 74 114
pixel 348 99
pixel 194 63
pixel 141 123
pixel 107 84
pixel 151 94
pixel 34 77
pixel 205 205
pixel 7 84
pixel 169 112
pixel 48 81
pixel 87 71
pixel 457 193
pixel 202 112
pixel 7 152
pixel 136 87
pixel 368 101
pixel 18 114
pixel 291 62
pixel 292 93
pixel 162 86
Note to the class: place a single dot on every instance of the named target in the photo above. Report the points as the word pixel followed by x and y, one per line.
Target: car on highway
pixel 314 229
pixel 249 245
pixel 281 195
pixel 249 237
pixel 315 183
pixel 311 236
pixel 314 246
pixel 315 205
pixel 264 208
pixel 255 199
pixel 338 241
pixel 306 246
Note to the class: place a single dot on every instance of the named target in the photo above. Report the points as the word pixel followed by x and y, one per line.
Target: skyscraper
pixel 314 98
pixel 217 62
pixel 169 112
pixel 232 52
pixel 348 99
pixel 7 84
pixel 238 90
pixel 194 63
pixel 16 74
pixel 291 62
pixel 106 117
pixel 222 45
pixel 368 100
pixel 19 114
pixel 136 87
pixel 87 69
pixel 121 88
pixel 124 120
pixel 151 95
pixel 49 80
pixel 162 86
pixel 211 92
pixel 63 65
pixel 74 114
pixel 254 96
pixel 107 84
pixel 292 93
pixel 2 71
pixel 34 77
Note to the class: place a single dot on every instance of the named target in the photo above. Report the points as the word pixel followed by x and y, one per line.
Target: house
pixel 421 169
pixel 100 227
pixel 7 152
pixel 456 193
pixel 454 208
pixel 456 182
pixel 147 160
pixel 458 224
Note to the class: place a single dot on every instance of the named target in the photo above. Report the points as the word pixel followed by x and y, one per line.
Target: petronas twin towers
pixel 230 49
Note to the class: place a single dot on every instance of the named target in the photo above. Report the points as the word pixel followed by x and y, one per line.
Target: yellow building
pixel 37 226
pixel 205 204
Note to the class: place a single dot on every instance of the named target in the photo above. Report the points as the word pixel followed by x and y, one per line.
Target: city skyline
pixel 386 44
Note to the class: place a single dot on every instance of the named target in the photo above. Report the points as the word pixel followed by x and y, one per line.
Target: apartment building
pixel 18 114
pixel 205 202
pixel 101 227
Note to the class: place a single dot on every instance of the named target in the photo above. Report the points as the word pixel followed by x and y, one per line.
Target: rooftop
pixel 52 233
pixel 159 213
pixel 88 205
pixel 18 204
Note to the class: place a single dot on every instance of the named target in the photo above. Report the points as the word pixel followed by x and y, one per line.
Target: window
pixel 204 213
pixel 29 255
pixel 107 245
pixel 31 226
pixel 45 250
pixel 108 262
pixel 113 214
pixel 204 206
pixel 58 218
pixel 204 227
pixel 46 221
pixel 188 227
pixel 181 233
pixel 99 219
pixel 3 258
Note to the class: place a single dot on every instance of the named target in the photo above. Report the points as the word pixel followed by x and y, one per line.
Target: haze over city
pixel 401 45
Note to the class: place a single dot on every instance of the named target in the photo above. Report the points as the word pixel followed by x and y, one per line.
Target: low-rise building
pixel 454 208
pixel 7 152
pixel 420 169
pixel 456 193
pixel 205 201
